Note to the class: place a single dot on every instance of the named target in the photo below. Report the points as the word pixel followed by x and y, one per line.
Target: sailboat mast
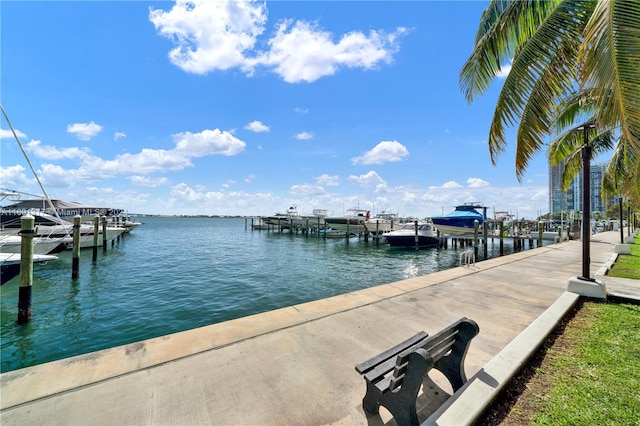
pixel 6 117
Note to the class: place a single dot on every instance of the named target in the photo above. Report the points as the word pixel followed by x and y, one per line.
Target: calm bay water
pixel 175 274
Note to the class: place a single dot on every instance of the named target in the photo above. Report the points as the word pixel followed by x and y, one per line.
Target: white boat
pixel 11 243
pixel 316 218
pixel 383 222
pixel 66 210
pixel 284 220
pixel 49 226
pixel 10 264
pixel 353 220
pixel 413 235
pixel 335 233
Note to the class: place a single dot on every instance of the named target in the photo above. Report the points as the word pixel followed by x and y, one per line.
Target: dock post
pixel 96 233
pixel 378 231
pixel 560 233
pixel 417 239
pixel 485 233
pixel 104 233
pixel 476 223
pixel 501 228
pixel 540 227
pixel 75 260
pixel 27 223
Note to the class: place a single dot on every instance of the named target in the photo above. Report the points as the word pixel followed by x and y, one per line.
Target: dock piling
pixel 27 223
pixel 75 261
pixel 476 224
pixel 501 228
pixel 104 233
pixel 96 233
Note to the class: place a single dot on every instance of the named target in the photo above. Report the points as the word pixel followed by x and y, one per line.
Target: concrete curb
pixel 468 404
pixel 608 265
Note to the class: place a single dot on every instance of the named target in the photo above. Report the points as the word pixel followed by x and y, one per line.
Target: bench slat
pixel 372 363
pixel 376 374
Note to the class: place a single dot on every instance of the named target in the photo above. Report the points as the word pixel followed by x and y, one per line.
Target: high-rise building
pixel 571 200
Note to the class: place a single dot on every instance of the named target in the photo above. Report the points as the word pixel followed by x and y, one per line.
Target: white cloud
pixel 476 182
pixel 6 133
pixel 223 34
pixel 207 142
pixel 148 181
pixel 328 180
pixel 145 162
pixel 188 145
pixel 370 179
pixel 55 176
pixel 308 190
pixel 257 126
pixel 119 135
pixel 301 51
pixel 50 152
pixel 84 131
pixel 384 152
pixel 303 136
pixel 300 110
pixel 449 184
pixel 210 35
pixel 14 176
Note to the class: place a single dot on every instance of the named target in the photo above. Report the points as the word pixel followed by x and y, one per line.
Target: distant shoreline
pixel 189 216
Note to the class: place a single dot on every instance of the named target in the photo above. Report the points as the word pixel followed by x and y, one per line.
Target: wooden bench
pixel 394 377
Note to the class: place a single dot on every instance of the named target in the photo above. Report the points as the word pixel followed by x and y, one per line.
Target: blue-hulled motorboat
pixel 460 221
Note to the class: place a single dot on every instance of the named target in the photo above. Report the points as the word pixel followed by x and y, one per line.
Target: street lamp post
pixel 586 201
pixel 585 285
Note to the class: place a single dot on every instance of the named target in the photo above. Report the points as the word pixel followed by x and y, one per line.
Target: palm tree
pixel 572 63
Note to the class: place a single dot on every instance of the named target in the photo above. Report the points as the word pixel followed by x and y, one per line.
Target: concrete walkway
pixel 295 365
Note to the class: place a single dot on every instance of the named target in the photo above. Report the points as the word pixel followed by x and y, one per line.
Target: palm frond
pixel 540 75
pixel 610 56
pixel 503 27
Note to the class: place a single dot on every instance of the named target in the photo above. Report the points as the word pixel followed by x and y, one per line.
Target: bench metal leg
pixel 452 365
pixel 401 403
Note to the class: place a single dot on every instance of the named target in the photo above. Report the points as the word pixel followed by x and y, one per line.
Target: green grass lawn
pixel 596 378
pixel 628 265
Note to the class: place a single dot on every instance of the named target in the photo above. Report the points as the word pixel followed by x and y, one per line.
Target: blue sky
pixel 249 108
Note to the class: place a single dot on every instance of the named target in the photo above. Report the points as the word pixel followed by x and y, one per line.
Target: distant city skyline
pixel 571 200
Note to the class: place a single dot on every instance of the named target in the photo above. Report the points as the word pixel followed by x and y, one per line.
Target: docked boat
pixel 10 264
pixel 316 218
pixel 383 222
pixel 460 221
pixel 353 220
pixel 413 235
pixel 335 233
pixel 12 243
pixel 286 220
pixel 66 210
pixel 49 226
